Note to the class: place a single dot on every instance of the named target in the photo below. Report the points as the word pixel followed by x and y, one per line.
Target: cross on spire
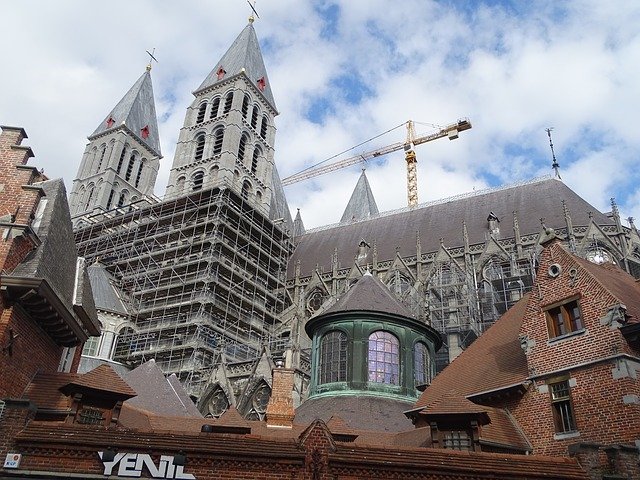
pixel 253 11
pixel 151 58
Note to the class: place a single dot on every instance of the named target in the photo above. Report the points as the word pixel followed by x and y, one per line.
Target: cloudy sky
pixel 345 71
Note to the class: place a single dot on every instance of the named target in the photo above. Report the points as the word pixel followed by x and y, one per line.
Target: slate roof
pixel 158 394
pixel 362 204
pixel 298 225
pixel 358 412
pixel 104 293
pixel 243 54
pixel 370 295
pixel 137 109
pixel 279 208
pixel 443 219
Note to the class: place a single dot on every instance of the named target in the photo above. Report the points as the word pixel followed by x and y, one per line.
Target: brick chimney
pixel 280 411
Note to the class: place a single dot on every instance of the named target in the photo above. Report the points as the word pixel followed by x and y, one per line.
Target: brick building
pixel 556 375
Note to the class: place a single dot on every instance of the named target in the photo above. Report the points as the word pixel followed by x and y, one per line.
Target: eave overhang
pixel 41 302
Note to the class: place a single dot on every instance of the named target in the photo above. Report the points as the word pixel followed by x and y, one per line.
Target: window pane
pixel 384 361
pixel 333 357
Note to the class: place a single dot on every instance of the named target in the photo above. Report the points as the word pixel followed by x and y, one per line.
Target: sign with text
pixel 12 460
pixel 132 465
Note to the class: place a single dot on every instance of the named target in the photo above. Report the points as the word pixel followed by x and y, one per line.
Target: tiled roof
pixel 495 360
pixel 102 379
pixel 44 390
pixel 444 220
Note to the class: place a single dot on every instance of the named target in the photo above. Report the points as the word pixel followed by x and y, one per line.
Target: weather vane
pixel 151 58
pixel 555 165
pixel 253 9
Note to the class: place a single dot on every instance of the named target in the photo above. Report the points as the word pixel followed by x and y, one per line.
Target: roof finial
pixel 253 10
pixel 555 165
pixel 151 58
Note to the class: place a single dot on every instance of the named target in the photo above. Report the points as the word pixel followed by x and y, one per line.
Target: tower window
pixel 122 157
pixel 245 106
pixel 89 198
pixel 218 136
pixel 102 152
pixel 241 148
pixel 227 103
pixel 333 358
pixel 246 190
pixel 254 117
pixel 254 160
pixel 122 199
pixel 421 364
pixel 263 127
pixel 139 174
pixel 563 416
pixel 198 179
pixel 383 358
pixel 180 184
pixel 200 139
pixel 201 112
pixel 215 105
pixel 564 319
pixel 132 160
pixel 110 200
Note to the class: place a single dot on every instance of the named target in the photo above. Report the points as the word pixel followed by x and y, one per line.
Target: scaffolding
pixel 203 278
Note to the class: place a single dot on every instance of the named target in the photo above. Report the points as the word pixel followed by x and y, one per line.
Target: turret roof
pixel 136 110
pixel 243 55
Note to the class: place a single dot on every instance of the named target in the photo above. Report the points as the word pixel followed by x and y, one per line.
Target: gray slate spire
pixel 362 205
pixel 298 226
pixel 138 112
pixel 244 55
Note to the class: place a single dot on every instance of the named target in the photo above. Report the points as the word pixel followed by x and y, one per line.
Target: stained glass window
pixel 384 359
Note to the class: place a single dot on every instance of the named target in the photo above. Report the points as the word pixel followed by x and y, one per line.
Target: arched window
pixel 259 196
pixel 122 157
pixel 245 106
pixel 198 179
pixel 242 147
pixel 218 137
pixel 259 402
pixel 263 127
pixel 180 184
pixel 383 358
pixel 254 116
pixel 218 403
pixel 200 139
pixel 246 190
pixel 110 200
pixel 139 174
pixel 129 172
pixel 122 199
pixel 201 112
pixel 421 364
pixel 333 358
pixel 92 158
pixel 89 198
pixel 227 103
pixel 215 106
pixel 213 173
pixel 103 150
pixel 254 161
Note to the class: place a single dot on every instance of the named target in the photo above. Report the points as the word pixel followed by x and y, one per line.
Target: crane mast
pixel 451 131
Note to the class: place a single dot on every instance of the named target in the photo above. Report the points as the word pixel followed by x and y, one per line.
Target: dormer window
pixel 110 122
pixel 144 132
pixel 221 73
pixel 262 83
pixel 564 319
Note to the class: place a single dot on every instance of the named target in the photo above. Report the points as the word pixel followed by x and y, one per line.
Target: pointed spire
pixel 137 111
pixel 243 56
pixel 362 204
pixel 298 226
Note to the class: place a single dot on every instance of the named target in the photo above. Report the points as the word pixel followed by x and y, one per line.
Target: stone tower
pixel 228 134
pixel 121 160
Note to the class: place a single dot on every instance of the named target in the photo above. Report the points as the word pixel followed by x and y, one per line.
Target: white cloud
pixel 513 68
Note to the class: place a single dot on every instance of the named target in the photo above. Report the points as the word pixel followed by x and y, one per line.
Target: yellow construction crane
pixel 451 131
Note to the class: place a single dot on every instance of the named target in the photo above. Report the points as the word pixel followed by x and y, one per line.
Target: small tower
pixel 228 134
pixel 122 158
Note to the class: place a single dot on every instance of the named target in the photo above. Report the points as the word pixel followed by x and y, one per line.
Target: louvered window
pixel 245 106
pixel 201 113
pixel 254 117
pixel 254 160
pixel 263 127
pixel 218 136
pixel 228 101
pixel 241 148
pixel 199 147
pixel 215 105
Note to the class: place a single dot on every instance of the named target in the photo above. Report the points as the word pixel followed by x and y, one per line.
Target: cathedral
pixel 217 282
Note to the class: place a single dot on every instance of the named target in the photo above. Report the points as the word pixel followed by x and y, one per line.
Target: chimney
pixel 280 411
